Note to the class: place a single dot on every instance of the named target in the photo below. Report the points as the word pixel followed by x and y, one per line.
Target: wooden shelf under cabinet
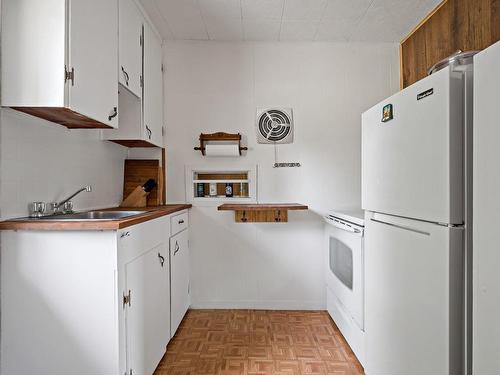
pixel 261 213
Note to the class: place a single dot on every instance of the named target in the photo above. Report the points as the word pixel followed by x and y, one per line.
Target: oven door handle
pixel 340 225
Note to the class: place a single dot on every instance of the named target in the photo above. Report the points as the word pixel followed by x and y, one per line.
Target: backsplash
pixel 41 161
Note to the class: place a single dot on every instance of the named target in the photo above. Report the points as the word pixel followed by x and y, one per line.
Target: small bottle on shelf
pixel 200 190
pixel 213 189
pixel 229 190
pixel 244 189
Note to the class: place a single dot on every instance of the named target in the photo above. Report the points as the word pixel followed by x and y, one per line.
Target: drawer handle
pixel 161 258
pixel 176 248
pixel 181 221
pixel 125 234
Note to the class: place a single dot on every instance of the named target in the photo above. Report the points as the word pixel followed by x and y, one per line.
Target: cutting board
pixel 137 172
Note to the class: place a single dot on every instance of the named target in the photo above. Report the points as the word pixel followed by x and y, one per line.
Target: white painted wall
pixel 217 87
pixel 42 161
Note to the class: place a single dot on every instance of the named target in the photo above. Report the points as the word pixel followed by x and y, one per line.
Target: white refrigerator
pixel 415 173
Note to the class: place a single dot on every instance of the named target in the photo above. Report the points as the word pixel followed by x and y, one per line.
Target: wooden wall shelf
pixel 261 213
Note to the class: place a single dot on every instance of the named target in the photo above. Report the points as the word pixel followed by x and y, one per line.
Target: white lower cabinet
pixel 92 302
pixel 147 309
pixel 179 277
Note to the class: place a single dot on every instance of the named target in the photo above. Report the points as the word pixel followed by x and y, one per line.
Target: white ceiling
pixel 287 20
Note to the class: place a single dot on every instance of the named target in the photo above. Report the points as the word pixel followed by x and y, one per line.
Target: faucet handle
pixel 68 207
pixel 37 209
pixel 88 188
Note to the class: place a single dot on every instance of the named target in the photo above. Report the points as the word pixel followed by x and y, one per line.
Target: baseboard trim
pixel 260 305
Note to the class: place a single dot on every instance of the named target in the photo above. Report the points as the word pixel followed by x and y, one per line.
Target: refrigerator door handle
pixel 402 227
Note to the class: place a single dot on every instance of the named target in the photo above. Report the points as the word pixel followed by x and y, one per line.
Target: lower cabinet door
pixel 179 279
pixel 148 316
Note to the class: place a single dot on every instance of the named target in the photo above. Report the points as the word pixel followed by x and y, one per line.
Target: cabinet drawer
pixel 134 240
pixel 178 223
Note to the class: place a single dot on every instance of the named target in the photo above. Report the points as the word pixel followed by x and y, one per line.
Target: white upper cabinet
pixel 59 60
pixel 141 116
pixel 130 46
pixel 153 87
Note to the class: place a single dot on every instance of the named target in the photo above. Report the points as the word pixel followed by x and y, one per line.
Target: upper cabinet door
pixel 33 53
pixel 153 87
pixel 93 54
pixel 130 46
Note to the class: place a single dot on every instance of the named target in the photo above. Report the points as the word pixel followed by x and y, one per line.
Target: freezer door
pixel 412 165
pixel 414 303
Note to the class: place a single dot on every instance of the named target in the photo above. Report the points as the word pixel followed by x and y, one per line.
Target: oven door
pixel 345 266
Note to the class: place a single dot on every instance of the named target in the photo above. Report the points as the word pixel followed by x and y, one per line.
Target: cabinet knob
pixel 161 258
pixel 176 248
pixel 148 130
pixel 181 221
pixel 125 74
pixel 113 114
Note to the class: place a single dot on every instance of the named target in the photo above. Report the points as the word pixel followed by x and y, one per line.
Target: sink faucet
pixel 67 205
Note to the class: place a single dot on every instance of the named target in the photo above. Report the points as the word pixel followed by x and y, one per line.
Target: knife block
pixel 138 198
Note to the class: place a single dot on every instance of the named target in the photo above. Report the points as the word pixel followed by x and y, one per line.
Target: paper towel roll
pixel 222 150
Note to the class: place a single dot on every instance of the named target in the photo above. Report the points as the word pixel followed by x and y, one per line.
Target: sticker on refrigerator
pixel 387 113
pixel 425 94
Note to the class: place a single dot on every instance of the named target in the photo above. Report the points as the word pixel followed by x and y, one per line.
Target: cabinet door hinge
pixel 162 68
pixel 141 39
pixel 69 75
pixel 127 298
pixel 142 81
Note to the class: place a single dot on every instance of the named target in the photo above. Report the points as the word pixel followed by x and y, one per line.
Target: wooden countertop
pixel 149 214
pixel 261 206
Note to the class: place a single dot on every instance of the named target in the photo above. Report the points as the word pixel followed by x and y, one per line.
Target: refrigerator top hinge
pixel 69 75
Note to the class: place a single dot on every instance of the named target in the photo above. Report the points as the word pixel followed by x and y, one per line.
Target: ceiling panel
pixel 335 30
pixel 157 18
pixel 262 9
pixel 300 10
pixel 184 18
pixel 224 28
pixel 287 20
pixel 220 8
pixel 352 10
pixel 376 20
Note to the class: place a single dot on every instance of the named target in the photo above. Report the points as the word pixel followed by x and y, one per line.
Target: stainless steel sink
pixel 91 215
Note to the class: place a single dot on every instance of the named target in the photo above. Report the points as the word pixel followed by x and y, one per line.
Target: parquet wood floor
pixel 241 342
